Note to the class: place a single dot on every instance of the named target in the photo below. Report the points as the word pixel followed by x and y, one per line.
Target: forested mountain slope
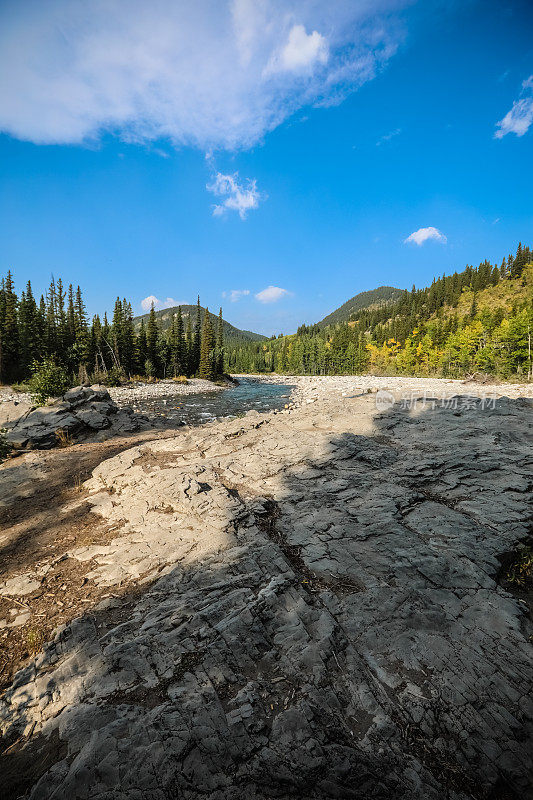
pixel 165 316
pixel 375 297
pixel 480 319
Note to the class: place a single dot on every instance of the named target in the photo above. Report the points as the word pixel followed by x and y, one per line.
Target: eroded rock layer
pixel 318 615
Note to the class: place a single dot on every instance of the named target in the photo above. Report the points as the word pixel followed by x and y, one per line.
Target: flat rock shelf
pixel 306 603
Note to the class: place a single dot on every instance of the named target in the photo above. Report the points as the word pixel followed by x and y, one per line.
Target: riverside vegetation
pixel 480 319
pixel 51 345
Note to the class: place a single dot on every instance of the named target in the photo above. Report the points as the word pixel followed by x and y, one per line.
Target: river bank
pixel 307 603
pixel 308 386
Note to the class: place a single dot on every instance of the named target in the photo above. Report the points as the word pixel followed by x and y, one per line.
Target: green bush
pixel 114 377
pixel 48 380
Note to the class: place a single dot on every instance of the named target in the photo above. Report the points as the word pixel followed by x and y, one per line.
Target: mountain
pixel 232 334
pixel 372 299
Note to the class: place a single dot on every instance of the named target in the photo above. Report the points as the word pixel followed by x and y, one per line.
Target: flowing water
pixel 195 409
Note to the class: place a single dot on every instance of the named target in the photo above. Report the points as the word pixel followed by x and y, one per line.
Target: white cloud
pixel 300 53
pixel 146 304
pixel 272 294
pixel 240 197
pixel 210 74
pixel 236 294
pixel 520 117
pixel 425 234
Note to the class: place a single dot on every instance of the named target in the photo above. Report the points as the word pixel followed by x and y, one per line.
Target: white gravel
pixel 321 386
pixel 127 395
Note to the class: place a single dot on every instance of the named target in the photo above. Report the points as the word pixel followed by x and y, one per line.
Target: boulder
pixel 81 411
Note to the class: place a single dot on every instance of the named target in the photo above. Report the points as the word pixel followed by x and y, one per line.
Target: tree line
pixel 56 329
pixel 426 331
pixel 421 333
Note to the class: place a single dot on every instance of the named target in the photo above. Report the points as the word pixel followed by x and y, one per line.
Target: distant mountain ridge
pixel 370 299
pixel 231 333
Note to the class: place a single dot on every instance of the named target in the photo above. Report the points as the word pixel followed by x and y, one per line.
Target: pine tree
pixel 196 346
pixel 61 321
pixel 81 315
pixel 128 337
pixel 219 366
pixel 177 345
pixel 50 334
pixel 29 331
pixel 71 317
pixel 117 326
pixel 189 348
pixel 141 350
pixel 9 332
pixel 207 368
pixel 152 335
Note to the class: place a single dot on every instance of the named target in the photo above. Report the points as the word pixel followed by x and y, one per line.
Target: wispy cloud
pixel 424 235
pixel 210 74
pixel 388 136
pixel 235 195
pixel 146 304
pixel 235 294
pixel 272 294
pixel 520 117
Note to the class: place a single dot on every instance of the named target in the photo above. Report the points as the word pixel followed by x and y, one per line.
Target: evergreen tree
pixel 117 330
pixel 177 345
pixel 196 346
pixel 61 321
pixel 9 333
pixel 152 335
pixel 207 367
pixel 29 330
pixel 219 364
pixel 189 348
pixel 71 325
pixel 81 315
pixel 128 337
pixel 141 352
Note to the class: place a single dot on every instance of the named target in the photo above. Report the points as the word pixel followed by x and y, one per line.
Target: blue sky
pixel 274 163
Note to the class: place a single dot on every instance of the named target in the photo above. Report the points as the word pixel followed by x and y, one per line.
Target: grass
pixel 520 571
pixel 63 438
pixel 35 638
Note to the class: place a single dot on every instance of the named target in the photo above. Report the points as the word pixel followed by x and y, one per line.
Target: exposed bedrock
pixel 317 615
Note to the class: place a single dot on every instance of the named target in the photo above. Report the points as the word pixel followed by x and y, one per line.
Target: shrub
pixel 115 377
pixel 48 380
pixel 111 377
pixel 20 387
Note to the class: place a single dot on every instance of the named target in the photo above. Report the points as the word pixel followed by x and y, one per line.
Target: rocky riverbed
pixel 309 603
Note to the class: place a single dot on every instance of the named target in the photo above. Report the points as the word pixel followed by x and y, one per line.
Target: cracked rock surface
pixel 318 615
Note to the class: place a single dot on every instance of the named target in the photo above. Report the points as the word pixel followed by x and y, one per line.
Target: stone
pixel 79 413
pixel 316 612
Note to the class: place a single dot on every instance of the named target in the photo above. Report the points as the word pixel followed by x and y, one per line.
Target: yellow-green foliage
pixel 505 295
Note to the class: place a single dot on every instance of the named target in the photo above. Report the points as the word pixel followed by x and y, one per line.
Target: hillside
pixel 231 333
pixel 477 320
pixel 370 299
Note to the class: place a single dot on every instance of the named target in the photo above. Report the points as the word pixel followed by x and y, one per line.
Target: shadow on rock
pixel 345 636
